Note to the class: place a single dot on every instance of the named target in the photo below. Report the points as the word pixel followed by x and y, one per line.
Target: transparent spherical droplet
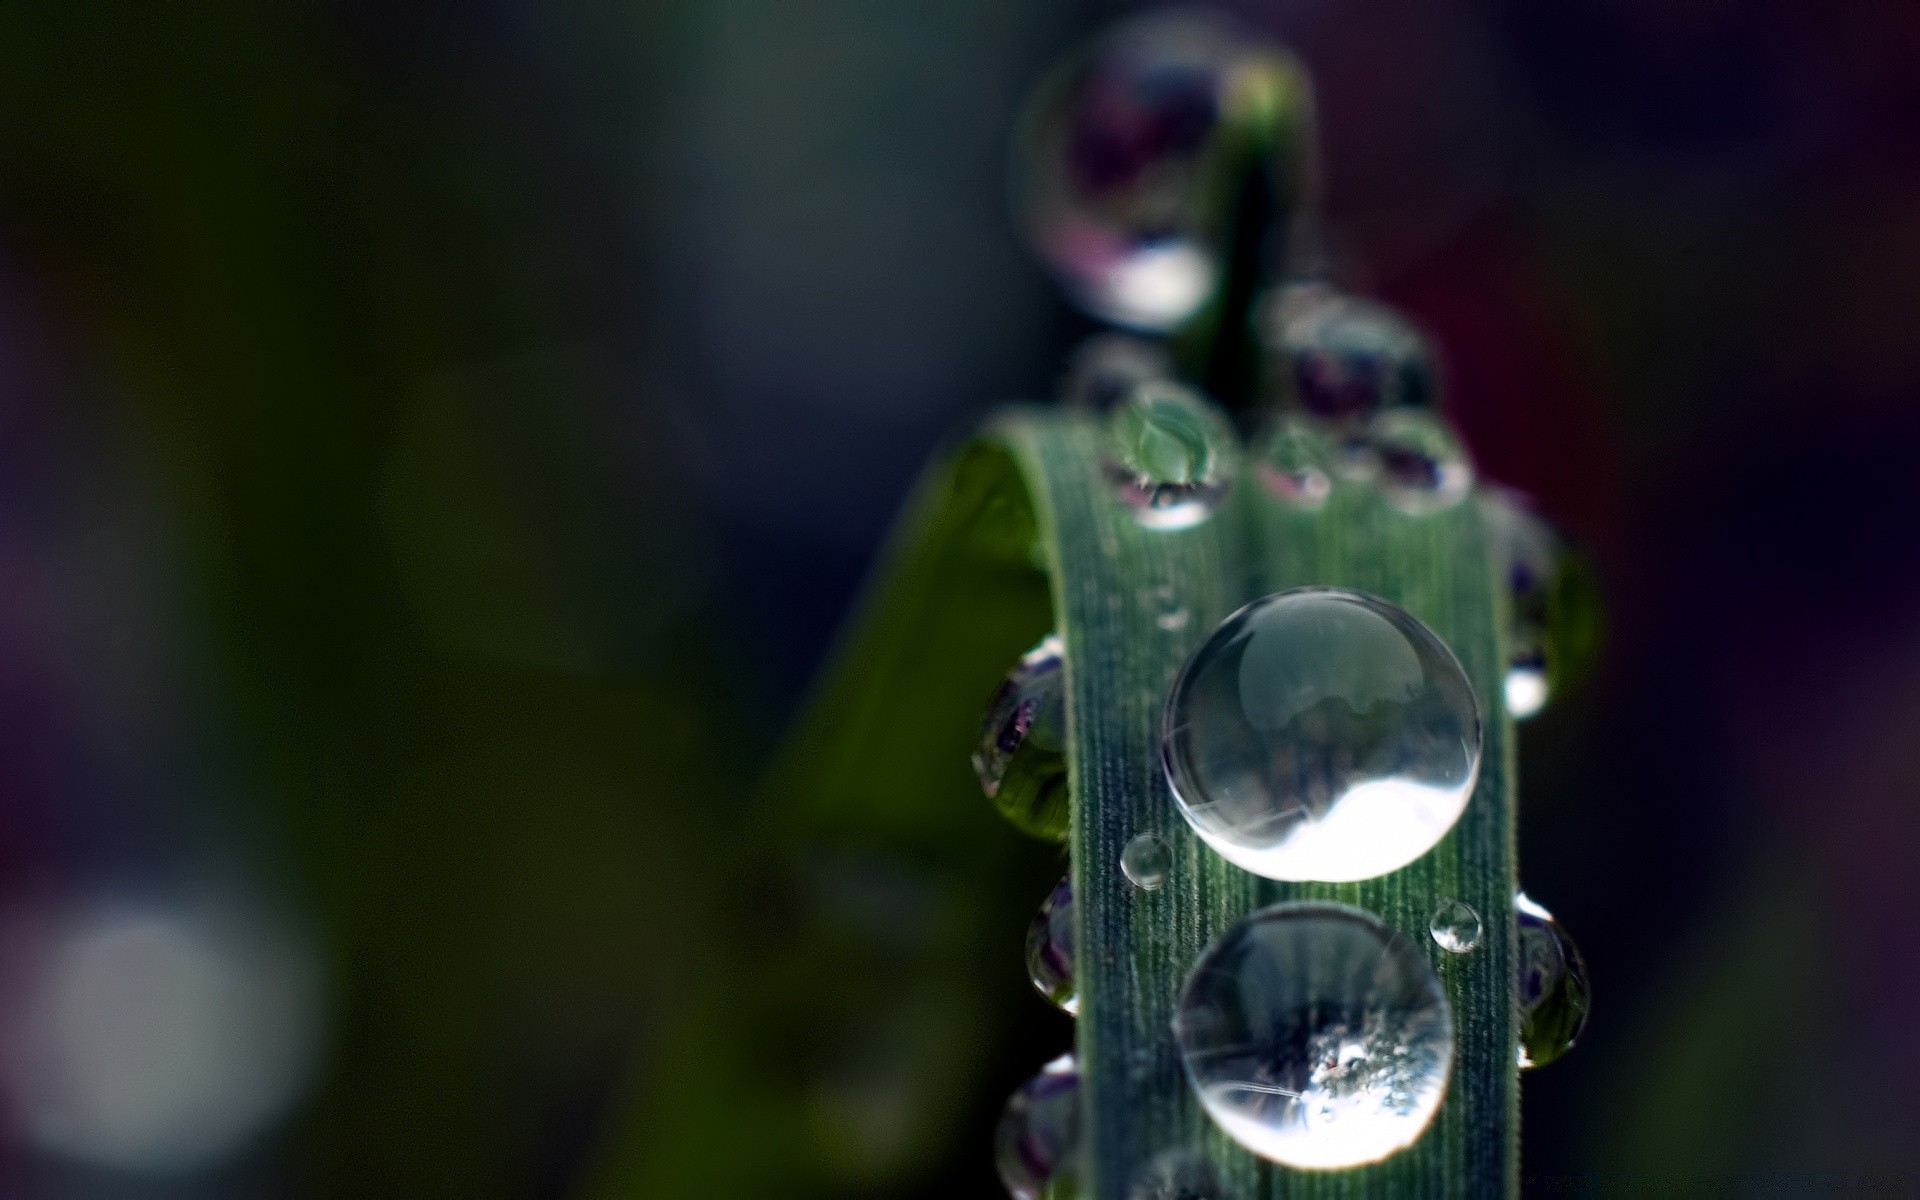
pixel 1554 995
pixel 1295 462
pixel 1422 466
pixel 1346 358
pixel 1146 861
pixel 1315 1036
pixel 1123 153
pixel 1178 1175
pixel 1050 949
pixel 1105 369
pixel 1321 734
pixel 1021 757
pixel 1455 927
pixel 1553 607
pixel 1169 455
pixel 1037 1144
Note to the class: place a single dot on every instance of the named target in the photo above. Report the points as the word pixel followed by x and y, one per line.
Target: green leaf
pixel 965 596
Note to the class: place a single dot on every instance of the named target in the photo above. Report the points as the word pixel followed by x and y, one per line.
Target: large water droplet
pixel 1455 927
pixel 1038 1140
pixel 1347 358
pixel 1122 155
pixel 1554 995
pixel 1021 757
pixel 1146 861
pixel 1321 734
pixel 1553 607
pixel 1169 455
pixel 1050 949
pixel 1106 368
pixel 1315 1036
pixel 1295 462
pixel 1423 467
pixel 1178 1175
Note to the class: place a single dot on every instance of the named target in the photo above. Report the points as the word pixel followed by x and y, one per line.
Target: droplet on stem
pixel 1050 949
pixel 1037 1142
pixel 1423 468
pixel 1552 979
pixel 1021 754
pixel 1295 463
pixel 1553 606
pixel 1169 456
pixel 1455 927
pixel 1146 861
pixel 1315 1036
pixel 1321 734
pixel 1344 358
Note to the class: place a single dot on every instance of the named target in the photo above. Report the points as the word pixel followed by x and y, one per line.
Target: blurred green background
pixel 438 443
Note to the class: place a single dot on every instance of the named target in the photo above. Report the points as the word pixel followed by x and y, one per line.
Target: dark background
pixel 438 442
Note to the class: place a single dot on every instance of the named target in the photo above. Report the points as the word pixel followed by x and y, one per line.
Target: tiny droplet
pixel 1321 734
pixel 1552 978
pixel 1169 455
pixel 1021 753
pixel 1146 861
pixel 1037 1143
pixel 1455 927
pixel 1050 949
pixel 1315 1036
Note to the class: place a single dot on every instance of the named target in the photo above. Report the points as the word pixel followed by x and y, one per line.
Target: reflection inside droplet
pixel 156 1039
pixel 1321 734
pixel 1037 1143
pixel 1020 756
pixel 1050 949
pixel 1315 1036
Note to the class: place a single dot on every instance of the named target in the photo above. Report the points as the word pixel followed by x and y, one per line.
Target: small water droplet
pixel 1316 1036
pixel 1321 734
pixel 1347 358
pixel 1423 467
pixel 1177 1175
pixel 1050 949
pixel 1295 462
pixel 1553 607
pixel 1173 620
pixel 1169 454
pixel 1554 995
pixel 1037 1144
pixel 1146 861
pixel 1021 755
pixel 1106 368
pixel 1455 927
pixel 1120 157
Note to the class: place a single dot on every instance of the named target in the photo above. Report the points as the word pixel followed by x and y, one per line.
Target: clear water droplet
pixel 1169 455
pixel 1021 757
pixel 1316 1036
pixel 1146 861
pixel 1037 1144
pixel 1455 927
pixel 1321 734
pixel 1106 368
pixel 1295 462
pixel 1347 358
pixel 1553 606
pixel 1423 467
pixel 1178 1175
pixel 1554 994
pixel 1120 157
pixel 1050 949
